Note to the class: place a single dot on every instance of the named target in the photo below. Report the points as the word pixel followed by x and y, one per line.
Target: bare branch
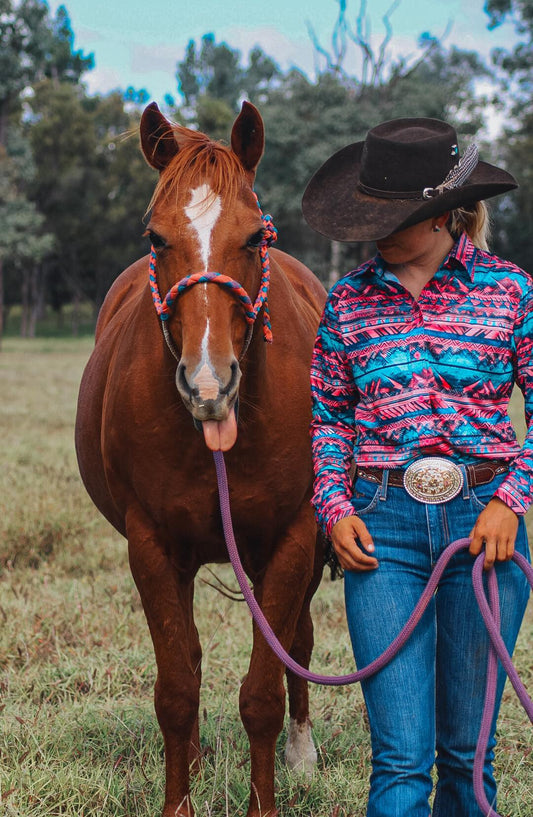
pixel 380 63
pixel 318 48
pixel 373 64
pixel 338 39
pixel 431 46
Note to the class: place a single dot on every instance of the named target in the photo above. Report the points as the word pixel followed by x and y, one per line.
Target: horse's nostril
pixel 181 380
pixel 235 377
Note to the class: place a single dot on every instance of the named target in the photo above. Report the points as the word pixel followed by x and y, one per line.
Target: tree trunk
pixel 35 301
pixel 3 122
pixel 25 301
pixel 1 301
pixel 334 267
pixel 75 322
pixel 60 319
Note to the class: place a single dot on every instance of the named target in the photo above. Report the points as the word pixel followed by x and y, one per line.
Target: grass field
pixel 78 734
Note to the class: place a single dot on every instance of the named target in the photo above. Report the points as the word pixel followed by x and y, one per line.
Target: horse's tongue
pixel 220 435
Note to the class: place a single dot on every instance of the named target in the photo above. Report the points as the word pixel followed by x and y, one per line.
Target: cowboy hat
pixel 405 171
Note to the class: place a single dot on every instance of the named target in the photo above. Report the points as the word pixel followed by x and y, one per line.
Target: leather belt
pixel 436 479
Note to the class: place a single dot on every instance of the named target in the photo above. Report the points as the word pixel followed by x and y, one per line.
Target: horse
pixel 146 386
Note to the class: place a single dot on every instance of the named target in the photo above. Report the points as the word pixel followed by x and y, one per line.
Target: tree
pixel 212 80
pixel 307 121
pixel 24 242
pixel 32 46
pixel 260 76
pixel 212 71
pixel 64 149
pixel 124 186
pixel 514 214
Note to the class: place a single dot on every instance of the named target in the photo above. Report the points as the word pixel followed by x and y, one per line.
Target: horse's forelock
pixel 200 160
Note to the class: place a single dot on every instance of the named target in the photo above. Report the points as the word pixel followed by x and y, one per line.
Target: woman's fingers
pixel 353 544
pixel 495 533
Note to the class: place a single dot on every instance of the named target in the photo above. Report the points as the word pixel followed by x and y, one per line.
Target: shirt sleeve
pixel 333 434
pixel 517 488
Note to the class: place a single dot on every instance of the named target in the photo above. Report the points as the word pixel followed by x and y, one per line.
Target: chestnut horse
pixel 152 474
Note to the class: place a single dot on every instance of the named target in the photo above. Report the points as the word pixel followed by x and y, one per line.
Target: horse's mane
pixel 199 159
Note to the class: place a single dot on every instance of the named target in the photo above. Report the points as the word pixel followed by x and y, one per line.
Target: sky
pixel 140 43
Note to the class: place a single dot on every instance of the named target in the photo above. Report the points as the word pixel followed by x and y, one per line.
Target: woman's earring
pixel 436 229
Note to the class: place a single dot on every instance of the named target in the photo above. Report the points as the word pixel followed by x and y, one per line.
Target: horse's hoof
pixel 300 752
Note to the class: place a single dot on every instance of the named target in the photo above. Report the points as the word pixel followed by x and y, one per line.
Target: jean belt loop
pixel 466 492
pixel 384 485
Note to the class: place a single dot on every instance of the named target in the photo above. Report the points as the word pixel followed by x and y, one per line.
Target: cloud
pixel 160 57
pixel 287 51
pixel 103 80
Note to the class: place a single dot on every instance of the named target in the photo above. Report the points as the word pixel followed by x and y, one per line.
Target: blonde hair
pixel 474 220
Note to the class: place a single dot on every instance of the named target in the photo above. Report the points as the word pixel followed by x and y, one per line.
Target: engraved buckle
pixel 433 480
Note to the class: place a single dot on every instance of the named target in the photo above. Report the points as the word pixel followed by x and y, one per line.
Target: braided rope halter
pixel 165 307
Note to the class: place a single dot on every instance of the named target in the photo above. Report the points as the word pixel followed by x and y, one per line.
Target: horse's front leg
pixel 167 602
pixel 280 593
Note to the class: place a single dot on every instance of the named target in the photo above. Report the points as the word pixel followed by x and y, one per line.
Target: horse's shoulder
pixel 303 281
pixel 124 289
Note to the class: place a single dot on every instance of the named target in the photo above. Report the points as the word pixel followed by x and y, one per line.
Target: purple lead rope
pixel 489 611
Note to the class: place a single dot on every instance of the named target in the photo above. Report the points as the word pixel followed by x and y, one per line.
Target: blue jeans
pixel 425 706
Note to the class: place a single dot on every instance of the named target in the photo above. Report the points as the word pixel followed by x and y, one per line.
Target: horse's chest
pixel 192 520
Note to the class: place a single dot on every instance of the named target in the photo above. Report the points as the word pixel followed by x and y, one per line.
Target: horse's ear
pixel 248 137
pixel 157 138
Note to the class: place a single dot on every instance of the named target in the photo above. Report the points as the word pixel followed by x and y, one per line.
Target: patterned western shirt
pixel 394 379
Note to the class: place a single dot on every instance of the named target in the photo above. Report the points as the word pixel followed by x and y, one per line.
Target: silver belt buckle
pixel 433 480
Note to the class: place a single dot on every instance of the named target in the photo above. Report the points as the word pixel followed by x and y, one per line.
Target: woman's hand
pixel 345 535
pixel 495 530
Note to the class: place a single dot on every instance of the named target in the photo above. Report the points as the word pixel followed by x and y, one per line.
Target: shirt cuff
pixel 341 512
pixel 511 500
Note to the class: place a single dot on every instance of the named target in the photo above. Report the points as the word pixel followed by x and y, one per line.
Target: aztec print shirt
pixel 394 379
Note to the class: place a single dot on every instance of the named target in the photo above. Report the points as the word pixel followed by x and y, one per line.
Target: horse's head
pixel 204 218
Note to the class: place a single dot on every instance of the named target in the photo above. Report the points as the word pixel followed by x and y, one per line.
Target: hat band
pixel 390 194
pixel 457 177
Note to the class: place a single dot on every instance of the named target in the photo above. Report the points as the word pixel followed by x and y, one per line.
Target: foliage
pixel 34 46
pixel 307 121
pixel 514 217
pixel 89 170
pixel 212 81
pixel 75 185
pixel 23 238
pixel 213 71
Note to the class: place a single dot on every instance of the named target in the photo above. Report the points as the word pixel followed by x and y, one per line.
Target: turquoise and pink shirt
pixel 394 379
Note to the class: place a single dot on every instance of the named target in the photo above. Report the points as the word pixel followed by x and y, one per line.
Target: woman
pixel 414 364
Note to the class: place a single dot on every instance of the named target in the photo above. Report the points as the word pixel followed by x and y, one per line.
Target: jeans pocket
pixel 482 494
pixel 479 502
pixel 365 496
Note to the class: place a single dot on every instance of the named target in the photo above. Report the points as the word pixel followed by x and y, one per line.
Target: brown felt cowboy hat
pixel 405 171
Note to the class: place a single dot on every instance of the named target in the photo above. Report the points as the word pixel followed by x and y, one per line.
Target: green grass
pixel 78 734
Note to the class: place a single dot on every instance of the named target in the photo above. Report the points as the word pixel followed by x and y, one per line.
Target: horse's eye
pixel 256 239
pixel 155 240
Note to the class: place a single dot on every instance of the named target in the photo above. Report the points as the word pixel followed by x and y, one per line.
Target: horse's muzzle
pixel 211 403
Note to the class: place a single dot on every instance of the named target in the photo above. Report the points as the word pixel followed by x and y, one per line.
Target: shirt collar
pixel 460 260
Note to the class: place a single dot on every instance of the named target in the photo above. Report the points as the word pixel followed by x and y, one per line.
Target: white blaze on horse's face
pixel 203 211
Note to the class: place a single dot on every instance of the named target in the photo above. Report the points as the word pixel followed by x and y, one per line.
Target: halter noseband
pixel 165 307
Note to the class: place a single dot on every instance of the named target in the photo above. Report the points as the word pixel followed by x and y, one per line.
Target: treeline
pixel 74 186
